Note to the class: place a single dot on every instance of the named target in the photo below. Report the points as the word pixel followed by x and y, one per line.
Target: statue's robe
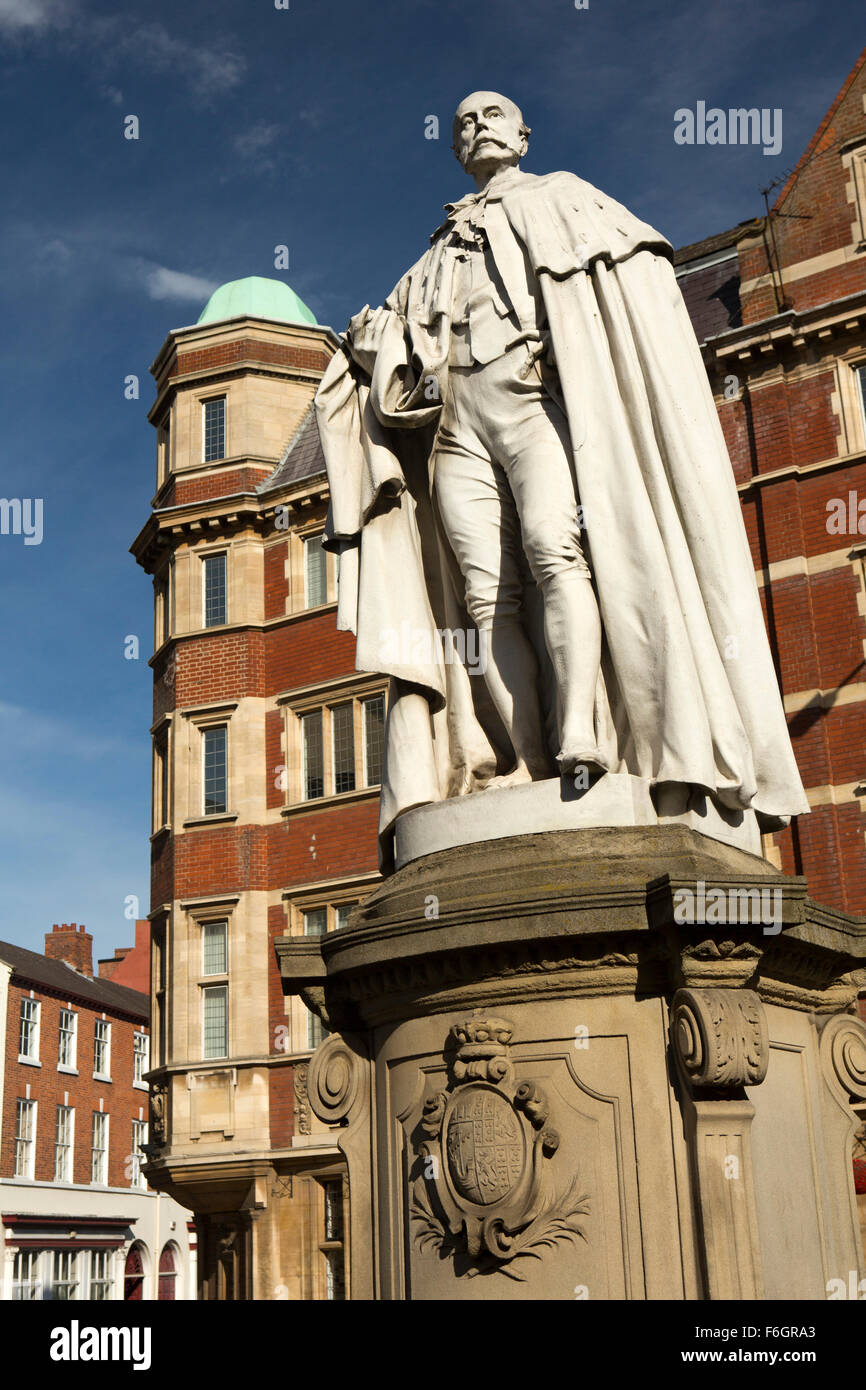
pixel 687 692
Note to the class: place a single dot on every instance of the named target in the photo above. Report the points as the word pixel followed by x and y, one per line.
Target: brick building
pixel 779 305
pixel 78 1218
pixel 267 750
pixel 267 743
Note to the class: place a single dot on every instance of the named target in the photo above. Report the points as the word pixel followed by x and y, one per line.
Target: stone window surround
pixel 219 909
pixel 163 449
pixel 854 163
pixel 209 717
pixel 851 401
pixel 163 594
pixel 212 552
pixel 203 397
pixel 160 819
pixel 324 696
pixel 301 532
pixel 329 894
pixel 159 973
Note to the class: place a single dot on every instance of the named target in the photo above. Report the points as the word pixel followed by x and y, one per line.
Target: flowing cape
pixel 687 692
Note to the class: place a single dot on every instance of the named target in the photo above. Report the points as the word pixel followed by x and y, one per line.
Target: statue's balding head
pixel 489 130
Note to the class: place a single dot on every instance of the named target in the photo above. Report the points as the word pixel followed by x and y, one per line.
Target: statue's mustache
pixel 488 140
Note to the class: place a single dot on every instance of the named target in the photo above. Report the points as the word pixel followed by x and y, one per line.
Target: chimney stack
pixel 73 944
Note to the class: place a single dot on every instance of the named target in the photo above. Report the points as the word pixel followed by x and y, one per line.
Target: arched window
pixel 167 1273
pixel 133 1275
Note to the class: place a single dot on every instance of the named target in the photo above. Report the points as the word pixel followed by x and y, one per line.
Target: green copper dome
pixel 256 298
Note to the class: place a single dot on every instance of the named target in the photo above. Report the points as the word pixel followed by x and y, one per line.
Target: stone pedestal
pixel 592 1063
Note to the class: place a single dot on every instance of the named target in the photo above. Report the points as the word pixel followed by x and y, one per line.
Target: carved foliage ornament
pixel 483 1193
pixel 302 1108
pixel 720 1037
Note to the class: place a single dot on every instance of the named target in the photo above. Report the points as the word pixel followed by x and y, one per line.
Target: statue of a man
pixel 525 462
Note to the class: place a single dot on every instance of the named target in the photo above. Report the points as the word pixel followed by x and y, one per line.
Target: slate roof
pixel 57 975
pixel 303 457
pixel 719 241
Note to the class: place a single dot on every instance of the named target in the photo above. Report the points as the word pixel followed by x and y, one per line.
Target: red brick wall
pixel 307 651
pixel 250 350
pixel 276 583
pixel 214 484
pixel 812 215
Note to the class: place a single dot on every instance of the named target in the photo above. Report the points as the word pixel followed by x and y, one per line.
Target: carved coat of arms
pixel 483 1191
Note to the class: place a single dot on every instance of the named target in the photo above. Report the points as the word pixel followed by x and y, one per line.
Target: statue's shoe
pixel 591 758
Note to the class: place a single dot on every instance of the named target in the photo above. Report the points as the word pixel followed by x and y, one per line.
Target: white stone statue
pixel 540 536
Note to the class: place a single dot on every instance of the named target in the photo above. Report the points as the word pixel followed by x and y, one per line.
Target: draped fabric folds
pixel 687 693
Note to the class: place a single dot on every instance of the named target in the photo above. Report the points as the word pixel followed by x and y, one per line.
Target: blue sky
pixel 260 127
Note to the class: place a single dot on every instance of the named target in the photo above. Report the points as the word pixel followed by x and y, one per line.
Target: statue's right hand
pixel 364 335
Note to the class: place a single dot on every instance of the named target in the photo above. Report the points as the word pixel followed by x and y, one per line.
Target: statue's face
pixel 488 130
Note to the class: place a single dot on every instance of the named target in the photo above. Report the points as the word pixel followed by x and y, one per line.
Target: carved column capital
pixel 720 1038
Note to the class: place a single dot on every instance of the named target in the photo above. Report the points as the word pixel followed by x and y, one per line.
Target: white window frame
pixel 140 1058
pixel 98 1279
pixel 25 1135
pixel 97 1074
pixel 100 1123
pixel 71 1034
pixel 29 1288
pixel 139 1138
pixel 31 1015
pixel 69 1146
pixel 71 1282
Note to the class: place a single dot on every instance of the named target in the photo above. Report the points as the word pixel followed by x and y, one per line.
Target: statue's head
pixel 489 131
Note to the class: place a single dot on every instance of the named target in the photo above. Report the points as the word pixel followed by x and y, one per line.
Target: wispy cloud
pixel 208 68
pixel 23 16
pixel 163 283
pixel 256 146
pixel 256 142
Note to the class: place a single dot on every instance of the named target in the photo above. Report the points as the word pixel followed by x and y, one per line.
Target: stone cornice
pixel 570 912
pixel 791 329
pixel 184 522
